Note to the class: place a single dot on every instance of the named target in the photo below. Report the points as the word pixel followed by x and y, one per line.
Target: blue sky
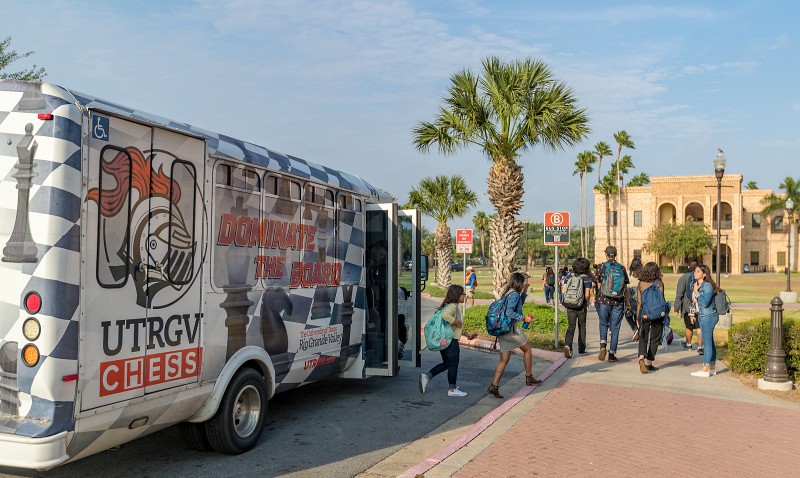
pixel 343 82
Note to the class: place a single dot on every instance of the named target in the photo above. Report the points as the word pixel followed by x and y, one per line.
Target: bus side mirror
pixel 423 268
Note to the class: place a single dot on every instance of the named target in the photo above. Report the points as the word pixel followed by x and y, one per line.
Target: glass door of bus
pixel 380 336
pixel 408 296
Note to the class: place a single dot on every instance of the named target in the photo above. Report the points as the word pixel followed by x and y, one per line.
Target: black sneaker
pixel 612 358
pixel 700 351
pixel 652 368
pixel 685 345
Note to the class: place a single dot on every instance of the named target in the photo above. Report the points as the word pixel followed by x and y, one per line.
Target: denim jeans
pixel 610 317
pixel 450 357
pixel 707 324
pixel 548 292
pixel 576 318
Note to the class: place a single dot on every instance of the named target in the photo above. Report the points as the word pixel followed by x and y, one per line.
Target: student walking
pixel 705 312
pixel 470 285
pixel 579 287
pixel 631 315
pixel 549 285
pixel 611 303
pixel 515 294
pixel 652 308
pixel 451 313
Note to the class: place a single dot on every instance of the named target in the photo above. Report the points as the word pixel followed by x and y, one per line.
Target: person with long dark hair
pixel 549 284
pixel 515 294
pixel 650 328
pixel 451 313
pixel 577 317
pixel 704 310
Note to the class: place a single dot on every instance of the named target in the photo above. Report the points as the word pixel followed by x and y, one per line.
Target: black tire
pixel 239 421
pixel 194 434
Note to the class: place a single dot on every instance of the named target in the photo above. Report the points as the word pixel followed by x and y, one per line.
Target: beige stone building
pixel 749 241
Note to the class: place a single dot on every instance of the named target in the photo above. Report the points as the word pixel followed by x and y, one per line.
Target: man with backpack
pixel 682 306
pixel 612 302
pixel 576 293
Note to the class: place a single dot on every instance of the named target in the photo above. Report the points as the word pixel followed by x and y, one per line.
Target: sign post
pixel 556 233
pixel 464 246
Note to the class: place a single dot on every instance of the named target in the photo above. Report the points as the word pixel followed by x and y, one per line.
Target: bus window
pixel 318 213
pixel 237 220
pixel 113 229
pixel 281 216
pixel 181 243
pixel 350 239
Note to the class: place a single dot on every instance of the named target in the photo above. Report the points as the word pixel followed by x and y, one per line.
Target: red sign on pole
pixel 556 229
pixel 464 241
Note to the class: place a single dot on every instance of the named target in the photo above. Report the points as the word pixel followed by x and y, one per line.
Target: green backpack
pixel 438 332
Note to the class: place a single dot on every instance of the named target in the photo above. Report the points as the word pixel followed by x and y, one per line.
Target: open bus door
pixel 410 276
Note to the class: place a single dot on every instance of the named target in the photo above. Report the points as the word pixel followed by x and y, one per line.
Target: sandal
pixel 494 390
pixel 529 380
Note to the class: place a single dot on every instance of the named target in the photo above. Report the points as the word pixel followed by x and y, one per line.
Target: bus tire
pixel 239 421
pixel 194 434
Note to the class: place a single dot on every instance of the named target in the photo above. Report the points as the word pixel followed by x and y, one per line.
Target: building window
pixel 753 258
pixel 637 218
pixel 755 222
pixel 637 254
pixel 777 224
pixel 612 218
pixel 782 258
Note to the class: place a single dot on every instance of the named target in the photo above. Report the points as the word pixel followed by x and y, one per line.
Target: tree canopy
pixel 679 241
pixel 8 56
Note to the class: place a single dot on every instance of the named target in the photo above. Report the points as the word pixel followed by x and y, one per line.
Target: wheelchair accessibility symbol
pixel 100 128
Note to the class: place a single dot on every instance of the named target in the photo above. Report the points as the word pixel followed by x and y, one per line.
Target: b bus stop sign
pixel 556 229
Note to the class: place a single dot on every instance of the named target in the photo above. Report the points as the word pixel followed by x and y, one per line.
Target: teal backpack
pixel 438 332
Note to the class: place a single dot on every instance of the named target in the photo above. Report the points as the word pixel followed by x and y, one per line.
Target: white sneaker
pixel 423 382
pixel 456 393
pixel 701 373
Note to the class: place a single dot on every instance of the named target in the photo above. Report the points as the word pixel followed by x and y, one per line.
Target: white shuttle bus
pixel 154 273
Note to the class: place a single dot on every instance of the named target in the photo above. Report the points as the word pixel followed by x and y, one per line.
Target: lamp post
pixel 719 171
pixel 789 208
pixel 527 256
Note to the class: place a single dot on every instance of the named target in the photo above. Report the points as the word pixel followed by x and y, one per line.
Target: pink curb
pixel 488 419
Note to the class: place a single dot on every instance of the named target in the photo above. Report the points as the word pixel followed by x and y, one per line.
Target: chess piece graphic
pixel 20 246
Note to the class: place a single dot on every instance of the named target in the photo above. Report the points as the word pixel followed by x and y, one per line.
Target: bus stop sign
pixel 556 229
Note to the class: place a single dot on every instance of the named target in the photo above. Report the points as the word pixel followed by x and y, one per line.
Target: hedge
pixel 748 344
pixel 540 331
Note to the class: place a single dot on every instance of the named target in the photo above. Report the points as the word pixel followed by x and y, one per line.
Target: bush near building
pixel 748 343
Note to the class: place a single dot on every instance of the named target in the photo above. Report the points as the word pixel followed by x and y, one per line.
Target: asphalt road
pixel 333 428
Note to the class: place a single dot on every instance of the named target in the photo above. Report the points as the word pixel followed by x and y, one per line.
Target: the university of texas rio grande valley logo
pixel 162 248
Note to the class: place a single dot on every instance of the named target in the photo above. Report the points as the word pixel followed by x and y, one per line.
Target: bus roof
pixel 227 147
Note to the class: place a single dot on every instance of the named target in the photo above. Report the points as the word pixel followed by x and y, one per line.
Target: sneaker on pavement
pixel 567 351
pixel 685 345
pixel 652 368
pixel 612 358
pixel 583 354
pixel 699 350
pixel 423 382
pixel 602 355
pixel 642 367
pixel 456 393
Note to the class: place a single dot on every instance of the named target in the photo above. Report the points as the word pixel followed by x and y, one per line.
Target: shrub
pixel 540 331
pixel 748 344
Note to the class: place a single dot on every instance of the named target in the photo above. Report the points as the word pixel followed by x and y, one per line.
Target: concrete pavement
pixel 593 418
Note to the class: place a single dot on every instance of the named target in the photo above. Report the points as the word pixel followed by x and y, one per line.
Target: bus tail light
pixel 30 355
pixel 33 302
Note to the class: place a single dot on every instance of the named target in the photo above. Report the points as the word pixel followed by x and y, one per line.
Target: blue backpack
pixel 613 284
pixel 654 305
pixel 497 321
pixel 438 332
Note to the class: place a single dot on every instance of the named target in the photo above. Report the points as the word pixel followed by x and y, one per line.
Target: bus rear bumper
pixel 37 453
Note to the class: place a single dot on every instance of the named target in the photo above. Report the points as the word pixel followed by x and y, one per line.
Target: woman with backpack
pixel 451 313
pixel 652 309
pixel 514 294
pixel 704 310
pixel 549 285
pixel 577 292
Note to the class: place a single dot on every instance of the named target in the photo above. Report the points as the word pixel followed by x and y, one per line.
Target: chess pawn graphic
pixel 20 246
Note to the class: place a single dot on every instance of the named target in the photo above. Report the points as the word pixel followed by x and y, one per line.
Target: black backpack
pixel 551 279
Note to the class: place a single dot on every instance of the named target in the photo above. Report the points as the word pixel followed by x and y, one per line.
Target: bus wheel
pixel 238 423
pixel 194 434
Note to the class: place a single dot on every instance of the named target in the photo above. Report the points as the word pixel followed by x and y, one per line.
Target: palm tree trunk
pixel 580 194
pixel 444 255
pixel 608 220
pixel 505 193
pixel 483 245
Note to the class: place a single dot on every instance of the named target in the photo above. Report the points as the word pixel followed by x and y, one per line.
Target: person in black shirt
pixel 610 309
pixel 577 317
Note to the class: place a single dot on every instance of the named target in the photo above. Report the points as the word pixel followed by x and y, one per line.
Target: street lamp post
pixel 719 171
pixel 789 208
pixel 527 256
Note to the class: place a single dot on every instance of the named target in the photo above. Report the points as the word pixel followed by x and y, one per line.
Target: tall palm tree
pixel 506 110
pixel 607 186
pixel 641 179
pixel 773 203
pixel 601 149
pixel 583 166
pixel 481 222
pixel 443 198
pixel 623 140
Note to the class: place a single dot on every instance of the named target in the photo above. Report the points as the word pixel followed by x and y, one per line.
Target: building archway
pixel 725 259
pixel 666 214
pixel 694 213
pixel 726 217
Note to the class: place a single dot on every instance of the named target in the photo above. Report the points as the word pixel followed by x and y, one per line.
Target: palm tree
pixel 751 185
pixel 601 149
pixel 582 166
pixel 443 198
pixel 623 141
pixel 508 109
pixel 481 222
pixel 641 179
pixel 607 186
pixel 773 203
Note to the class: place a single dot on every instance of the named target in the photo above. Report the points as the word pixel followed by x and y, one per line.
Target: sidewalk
pixel 594 418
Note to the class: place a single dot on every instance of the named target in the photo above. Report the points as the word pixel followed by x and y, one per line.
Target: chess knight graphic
pixel 162 248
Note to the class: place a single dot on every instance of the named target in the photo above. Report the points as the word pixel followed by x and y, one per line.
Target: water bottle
pixel 525 325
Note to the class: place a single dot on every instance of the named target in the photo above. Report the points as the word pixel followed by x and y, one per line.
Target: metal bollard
pixel 776 356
